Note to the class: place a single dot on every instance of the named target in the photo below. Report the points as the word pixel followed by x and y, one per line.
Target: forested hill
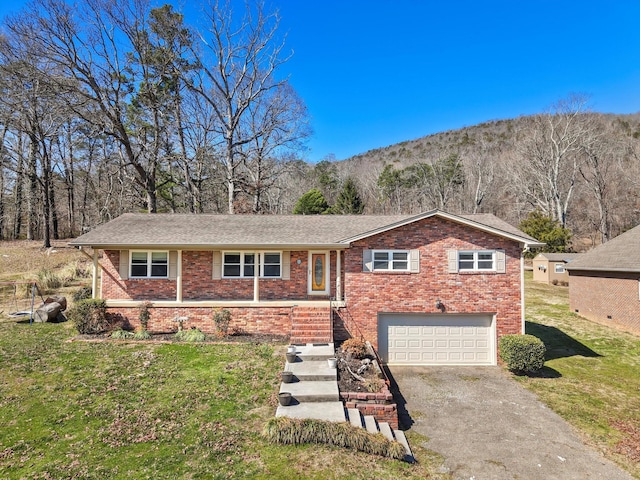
pixel 91 128
pixel 582 169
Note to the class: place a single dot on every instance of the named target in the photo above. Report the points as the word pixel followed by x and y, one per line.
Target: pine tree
pixel 348 201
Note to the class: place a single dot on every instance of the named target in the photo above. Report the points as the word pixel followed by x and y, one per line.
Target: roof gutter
pixel 602 269
pixel 209 246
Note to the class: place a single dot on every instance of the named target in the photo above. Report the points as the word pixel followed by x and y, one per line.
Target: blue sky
pixel 374 73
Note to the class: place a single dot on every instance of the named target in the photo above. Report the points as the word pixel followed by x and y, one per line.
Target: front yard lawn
pixel 97 410
pixel 591 376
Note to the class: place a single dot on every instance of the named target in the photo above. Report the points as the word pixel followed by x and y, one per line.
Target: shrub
pixel 222 319
pixel 374 385
pixel 120 334
pixel 83 293
pixel 287 430
pixel 554 281
pixel 522 353
pixel 89 316
pixel 144 314
pixel 191 335
pixel 142 335
pixel 355 347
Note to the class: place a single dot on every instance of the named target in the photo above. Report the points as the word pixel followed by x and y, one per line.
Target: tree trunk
pixel 33 188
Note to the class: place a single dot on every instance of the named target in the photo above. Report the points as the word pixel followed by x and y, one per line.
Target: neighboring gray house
pixel 604 283
pixel 550 267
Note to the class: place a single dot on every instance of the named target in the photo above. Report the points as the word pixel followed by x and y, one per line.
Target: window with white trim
pixel 245 264
pixel 149 264
pixel 391 260
pixel 559 268
pixel 477 260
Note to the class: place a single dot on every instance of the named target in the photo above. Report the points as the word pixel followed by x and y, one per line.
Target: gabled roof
pixel 267 231
pixel 621 254
pixel 559 257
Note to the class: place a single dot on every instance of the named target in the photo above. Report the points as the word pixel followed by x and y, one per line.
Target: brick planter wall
pixel 379 405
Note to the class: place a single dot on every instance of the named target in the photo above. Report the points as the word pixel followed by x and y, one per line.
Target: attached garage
pixel 415 339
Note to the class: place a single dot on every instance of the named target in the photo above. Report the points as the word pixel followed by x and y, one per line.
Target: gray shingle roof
pixel 621 254
pixel 560 257
pixel 187 230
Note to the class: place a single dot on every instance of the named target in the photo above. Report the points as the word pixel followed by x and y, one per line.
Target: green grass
pixel 591 376
pixel 125 410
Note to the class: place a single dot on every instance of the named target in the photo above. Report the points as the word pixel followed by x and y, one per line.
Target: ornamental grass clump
pixel 191 335
pixel 120 334
pixel 293 431
pixel 522 353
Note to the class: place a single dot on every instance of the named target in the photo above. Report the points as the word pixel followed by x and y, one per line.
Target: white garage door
pixel 410 339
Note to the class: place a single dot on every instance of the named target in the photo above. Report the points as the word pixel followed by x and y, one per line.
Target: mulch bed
pixel 256 338
pixel 346 381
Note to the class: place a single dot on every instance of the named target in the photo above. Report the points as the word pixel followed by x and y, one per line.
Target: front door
pixel 318 273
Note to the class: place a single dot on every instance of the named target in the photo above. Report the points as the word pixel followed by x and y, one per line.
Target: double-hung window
pixel 247 264
pixel 149 264
pixel 476 260
pixel 559 268
pixel 391 260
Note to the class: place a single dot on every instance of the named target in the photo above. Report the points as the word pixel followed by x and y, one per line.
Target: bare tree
pixel 550 150
pixel 238 63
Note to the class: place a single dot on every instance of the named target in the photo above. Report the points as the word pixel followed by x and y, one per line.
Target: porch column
pixel 338 275
pixel 179 277
pixel 256 278
pixel 94 282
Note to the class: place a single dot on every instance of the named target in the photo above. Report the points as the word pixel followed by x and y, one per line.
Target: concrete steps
pixel 315 394
pixel 357 420
pixel 315 387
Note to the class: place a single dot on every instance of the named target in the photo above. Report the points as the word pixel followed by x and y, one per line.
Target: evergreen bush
pixel 522 353
pixel 89 316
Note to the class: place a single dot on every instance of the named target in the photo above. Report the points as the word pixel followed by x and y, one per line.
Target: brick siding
pixel 367 294
pixel 599 295
pixel 370 293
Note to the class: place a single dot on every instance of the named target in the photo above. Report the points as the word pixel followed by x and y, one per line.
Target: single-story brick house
pixel 604 284
pixel 551 267
pixel 423 289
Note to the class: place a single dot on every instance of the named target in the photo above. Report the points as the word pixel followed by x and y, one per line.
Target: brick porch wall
pixel 368 293
pixel 599 295
pixel 267 320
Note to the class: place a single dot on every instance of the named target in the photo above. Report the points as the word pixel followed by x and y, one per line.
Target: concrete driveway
pixel 486 426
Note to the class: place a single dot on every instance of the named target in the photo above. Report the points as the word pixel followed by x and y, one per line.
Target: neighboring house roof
pixel 559 257
pixel 621 254
pixel 282 231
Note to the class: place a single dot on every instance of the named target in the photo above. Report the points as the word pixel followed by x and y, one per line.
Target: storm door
pixel 318 273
